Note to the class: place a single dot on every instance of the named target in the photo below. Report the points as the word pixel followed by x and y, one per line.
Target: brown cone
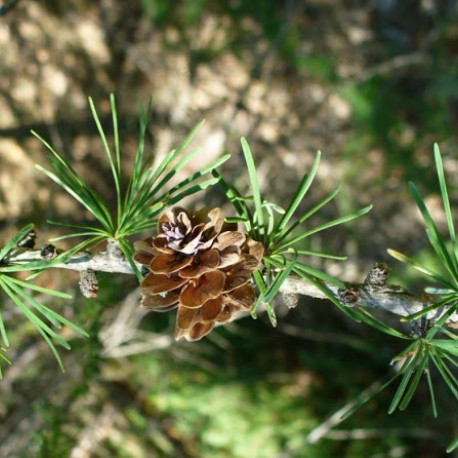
pixel 200 265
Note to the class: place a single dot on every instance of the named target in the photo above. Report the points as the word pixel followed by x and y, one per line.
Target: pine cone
pixel 201 266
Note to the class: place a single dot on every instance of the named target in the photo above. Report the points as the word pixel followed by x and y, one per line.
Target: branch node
pixel 114 251
pixel 377 276
pixel 348 296
pixel 29 240
pixel 290 299
pixel 48 252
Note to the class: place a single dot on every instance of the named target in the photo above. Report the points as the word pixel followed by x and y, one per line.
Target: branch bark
pixel 374 293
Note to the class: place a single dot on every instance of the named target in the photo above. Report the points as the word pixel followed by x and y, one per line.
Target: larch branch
pixel 374 293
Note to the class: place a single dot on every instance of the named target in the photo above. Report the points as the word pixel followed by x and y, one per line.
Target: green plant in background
pixel 137 207
pixel 281 259
pixel 428 350
pixel 279 230
pixel 41 317
pixel 3 359
pixel 145 197
pixel 280 237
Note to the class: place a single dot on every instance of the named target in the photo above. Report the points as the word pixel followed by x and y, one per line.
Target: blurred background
pixel 372 84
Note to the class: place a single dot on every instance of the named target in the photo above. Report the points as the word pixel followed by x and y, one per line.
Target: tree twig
pixel 374 293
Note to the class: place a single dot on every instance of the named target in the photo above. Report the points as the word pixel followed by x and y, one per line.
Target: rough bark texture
pixel 374 293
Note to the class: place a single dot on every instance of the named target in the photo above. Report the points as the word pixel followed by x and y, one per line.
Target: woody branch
pixel 374 293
